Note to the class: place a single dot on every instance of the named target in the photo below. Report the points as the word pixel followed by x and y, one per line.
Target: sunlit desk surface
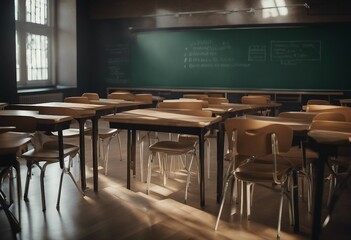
pixel 164 120
pixel 326 143
pixel 118 104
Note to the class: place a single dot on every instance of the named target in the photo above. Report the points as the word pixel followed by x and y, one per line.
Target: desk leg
pixel 202 168
pixel 130 157
pixel 95 129
pixel 134 152
pixel 60 145
pixel 220 157
pixel 296 202
pixel 318 195
pixel 82 153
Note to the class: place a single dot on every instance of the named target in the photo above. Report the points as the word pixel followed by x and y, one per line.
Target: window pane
pixel 37 57
pixel 17 59
pixel 16 10
pixel 36 11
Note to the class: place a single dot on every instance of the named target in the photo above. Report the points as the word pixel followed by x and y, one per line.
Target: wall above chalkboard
pixel 289 57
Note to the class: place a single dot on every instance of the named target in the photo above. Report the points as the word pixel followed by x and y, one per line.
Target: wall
pixel 8 88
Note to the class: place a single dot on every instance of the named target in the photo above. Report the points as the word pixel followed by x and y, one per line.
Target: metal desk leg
pixel 82 153
pixel 220 157
pixel 202 168
pixel 95 129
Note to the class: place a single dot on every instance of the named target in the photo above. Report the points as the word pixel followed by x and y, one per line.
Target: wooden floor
pixel 117 213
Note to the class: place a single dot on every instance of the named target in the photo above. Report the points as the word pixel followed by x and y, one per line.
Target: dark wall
pixel 8 88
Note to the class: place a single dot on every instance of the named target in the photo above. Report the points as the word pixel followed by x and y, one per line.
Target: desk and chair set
pixel 248 165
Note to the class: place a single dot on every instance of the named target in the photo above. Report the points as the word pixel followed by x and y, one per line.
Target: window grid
pixel 33 43
pixel 36 11
pixel 37 57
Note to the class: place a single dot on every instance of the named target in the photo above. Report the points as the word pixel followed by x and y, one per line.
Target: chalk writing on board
pixel 257 53
pixel 117 62
pixel 210 54
pixel 291 52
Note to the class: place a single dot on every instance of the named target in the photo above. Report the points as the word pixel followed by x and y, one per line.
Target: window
pixel 34 35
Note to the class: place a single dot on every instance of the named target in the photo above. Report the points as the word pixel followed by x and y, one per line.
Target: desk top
pixel 116 102
pixel 228 108
pixel 156 116
pixel 203 102
pixel 299 115
pixel 41 118
pixel 298 125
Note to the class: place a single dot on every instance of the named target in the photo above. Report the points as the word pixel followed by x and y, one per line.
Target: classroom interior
pixel 292 51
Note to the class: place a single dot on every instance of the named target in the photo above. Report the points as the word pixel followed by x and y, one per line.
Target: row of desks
pixel 151 120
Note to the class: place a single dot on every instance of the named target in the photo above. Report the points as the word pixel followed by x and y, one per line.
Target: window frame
pixel 22 29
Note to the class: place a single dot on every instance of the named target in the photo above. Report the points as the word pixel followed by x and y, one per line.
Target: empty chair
pixel 175 148
pixel 11 145
pixel 257 100
pixel 91 96
pixel 46 152
pixel 258 145
pixel 105 134
pixel 346 111
pixel 187 137
pixel 122 96
pixel 150 137
pixel 143 97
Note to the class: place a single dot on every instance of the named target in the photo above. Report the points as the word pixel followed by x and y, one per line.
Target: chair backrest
pixel 346 111
pixel 91 96
pixel 22 123
pixel 180 105
pixel 196 96
pixel 336 126
pixel 317 102
pixel 143 97
pixel 255 100
pixel 257 144
pixel 122 96
pixel 217 100
pixel 76 99
pixel 329 116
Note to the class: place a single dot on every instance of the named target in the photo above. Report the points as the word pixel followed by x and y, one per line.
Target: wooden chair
pixel 343 154
pixel 91 96
pixel 143 97
pixel 187 137
pixel 257 100
pixel 175 148
pixel 14 137
pixel 105 134
pixel 346 111
pixel 122 96
pixel 254 140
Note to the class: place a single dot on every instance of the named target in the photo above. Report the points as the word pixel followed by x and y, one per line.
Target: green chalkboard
pixel 294 58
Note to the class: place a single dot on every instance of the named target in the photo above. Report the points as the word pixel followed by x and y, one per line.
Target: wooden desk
pixel 326 143
pixel 299 115
pixel 45 123
pixel 2 105
pixel 118 104
pixel 227 110
pixel 171 121
pixel 81 112
pixel 203 102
